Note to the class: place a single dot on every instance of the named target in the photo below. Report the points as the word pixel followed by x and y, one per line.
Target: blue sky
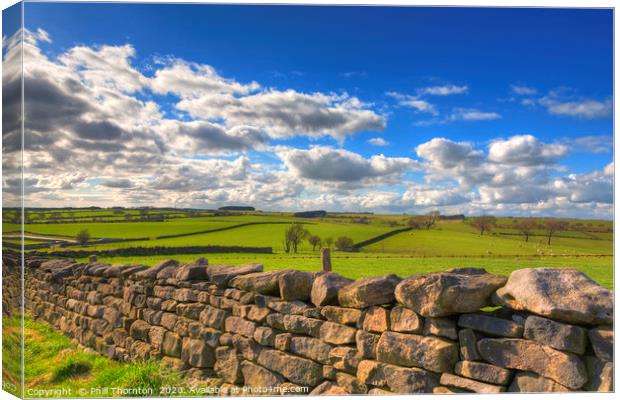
pixel 449 97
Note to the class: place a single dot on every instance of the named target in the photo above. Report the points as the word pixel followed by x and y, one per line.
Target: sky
pixel 367 109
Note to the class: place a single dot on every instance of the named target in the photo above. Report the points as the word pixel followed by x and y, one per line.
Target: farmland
pixel 395 245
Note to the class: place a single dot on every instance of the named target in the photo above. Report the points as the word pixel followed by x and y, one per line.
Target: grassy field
pixel 56 367
pixel 586 244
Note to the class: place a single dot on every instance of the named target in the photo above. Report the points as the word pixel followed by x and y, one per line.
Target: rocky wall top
pixel 241 328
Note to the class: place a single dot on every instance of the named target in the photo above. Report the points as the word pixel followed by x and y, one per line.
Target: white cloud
pixel 472 114
pixel 525 150
pixel 597 144
pixel 328 164
pixel 379 142
pixel 414 102
pixel 445 90
pixel 523 90
pixel 587 109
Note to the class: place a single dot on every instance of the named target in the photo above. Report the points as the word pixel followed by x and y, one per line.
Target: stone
pixel 259 377
pixel 259 282
pixel 411 350
pixel 139 330
pixel 564 368
pixel 296 369
pixel 441 294
pixel 342 315
pixel 554 334
pixel 469 384
pixel 156 337
pixel 600 375
pixel 376 319
pixel 334 333
pixel 379 392
pixel 167 272
pixel 325 288
pixel 329 372
pixel 563 294
pixel 448 390
pixel 350 383
pixel 602 340
pixel 240 326
pixel 468 342
pixel 213 317
pixel 371 372
pixel 368 291
pixel 302 325
pixel 483 372
pixel 173 363
pixel 529 382
pixel 409 380
pixel 247 347
pixel 405 320
pixel 151 273
pixel 344 358
pixel 282 341
pixel 328 388
pixel 228 365
pixel 265 336
pixel 311 348
pixel 222 274
pixel 444 327
pixel 192 272
pixel 296 285
pixel 275 321
pixel 196 353
pixel 491 325
pixel 366 344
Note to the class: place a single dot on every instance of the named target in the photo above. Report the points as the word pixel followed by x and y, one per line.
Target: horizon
pixel 459 110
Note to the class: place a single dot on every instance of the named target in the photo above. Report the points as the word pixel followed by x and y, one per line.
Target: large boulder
pixel 565 294
pixel 222 274
pixel 195 271
pixel 325 288
pixel 369 291
pixel 566 369
pixel 409 350
pixel 441 294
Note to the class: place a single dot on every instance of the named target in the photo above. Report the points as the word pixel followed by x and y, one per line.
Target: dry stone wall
pixel 250 332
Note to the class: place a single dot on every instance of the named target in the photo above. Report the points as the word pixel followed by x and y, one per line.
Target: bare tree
pixel 525 227
pixel 484 223
pixel 83 237
pixel 552 226
pixel 426 221
pixel 315 241
pixel 293 236
pixel 329 242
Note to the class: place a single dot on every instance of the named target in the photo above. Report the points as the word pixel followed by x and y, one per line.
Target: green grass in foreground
pixel 358 265
pixel 56 367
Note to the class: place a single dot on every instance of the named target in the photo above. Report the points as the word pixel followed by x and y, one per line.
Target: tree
pixel 344 243
pixel 415 222
pixel 525 227
pixel 431 218
pixel 83 237
pixel 315 241
pixel 552 226
pixel 329 242
pixel 293 236
pixel 484 223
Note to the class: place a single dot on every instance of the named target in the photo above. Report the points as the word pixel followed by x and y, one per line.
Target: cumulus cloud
pixel 587 109
pixel 597 144
pixel 414 102
pixel 328 164
pixel 525 150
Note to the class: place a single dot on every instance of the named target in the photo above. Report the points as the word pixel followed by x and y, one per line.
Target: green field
pixel 584 244
pixel 55 363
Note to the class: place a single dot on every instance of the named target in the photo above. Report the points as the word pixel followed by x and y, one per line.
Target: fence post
pixel 326 259
pixel 92 258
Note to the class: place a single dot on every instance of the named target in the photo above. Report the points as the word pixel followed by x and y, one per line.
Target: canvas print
pixel 246 200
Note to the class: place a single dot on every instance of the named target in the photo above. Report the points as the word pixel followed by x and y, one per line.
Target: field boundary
pixel 154 251
pixel 379 238
pixel 225 228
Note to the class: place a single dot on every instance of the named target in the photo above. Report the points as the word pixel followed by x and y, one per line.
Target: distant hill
pixel 237 208
pixel 311 214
